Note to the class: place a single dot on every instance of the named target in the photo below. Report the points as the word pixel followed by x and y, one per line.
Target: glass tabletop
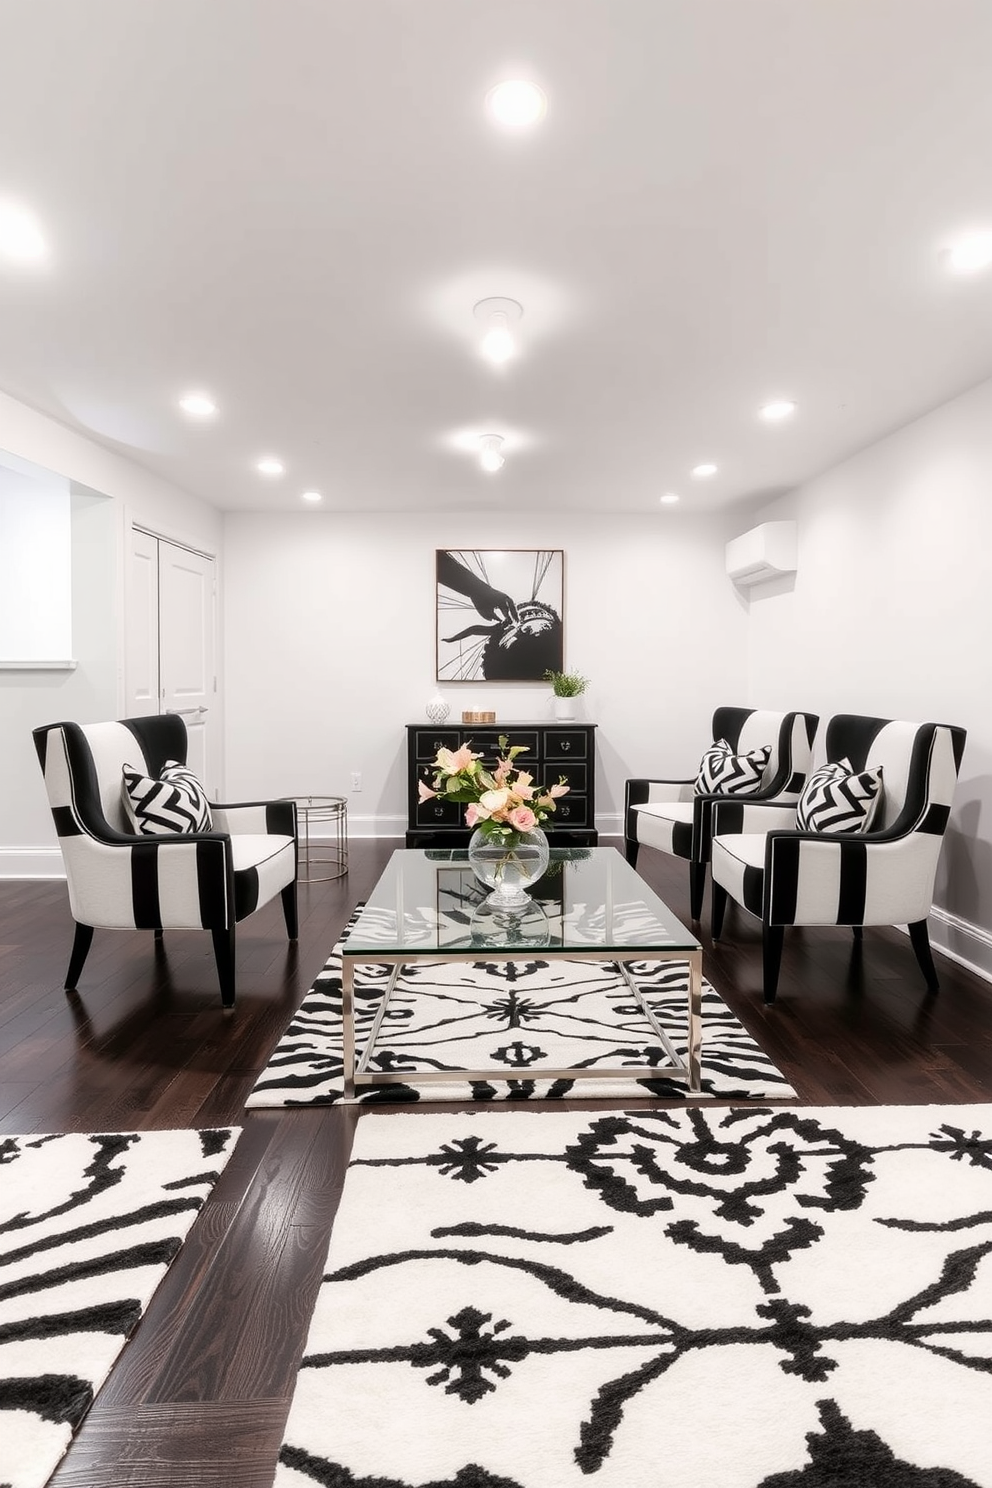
pixel 429 901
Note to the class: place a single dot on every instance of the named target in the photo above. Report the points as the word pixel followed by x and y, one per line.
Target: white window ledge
pixel 38 666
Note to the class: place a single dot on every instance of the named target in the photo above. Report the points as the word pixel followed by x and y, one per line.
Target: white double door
pixel 171 642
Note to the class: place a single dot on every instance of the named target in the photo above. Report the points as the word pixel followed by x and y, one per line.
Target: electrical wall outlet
pixel 356 780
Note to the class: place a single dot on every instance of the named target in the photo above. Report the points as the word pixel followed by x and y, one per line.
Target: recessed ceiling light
pixel 669 498
pixel 497 315
pixel 969 254
pixel 779 408
pixel 516 104
pixel 20 236
pixel 700 472
pixel 199 405
pixel 311 496
pixel 269 465
pixel 490 457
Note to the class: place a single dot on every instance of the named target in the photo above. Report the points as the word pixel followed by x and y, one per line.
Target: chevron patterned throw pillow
pixel 839 799
pixel 723 773
pixel 175 803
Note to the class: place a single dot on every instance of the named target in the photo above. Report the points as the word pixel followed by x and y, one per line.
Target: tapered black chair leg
pixel 290 911
pixel 718 910
pixel 697 885
pixel 630 846
pixel 159 934
pixel 224 951
pixel 80 948
pixel 772 938
pixel 858 931
pixel 920 937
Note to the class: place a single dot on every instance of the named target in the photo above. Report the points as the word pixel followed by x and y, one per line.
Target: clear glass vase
pixel 509 869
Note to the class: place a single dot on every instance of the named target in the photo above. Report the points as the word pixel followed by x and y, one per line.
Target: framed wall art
pixel 499 614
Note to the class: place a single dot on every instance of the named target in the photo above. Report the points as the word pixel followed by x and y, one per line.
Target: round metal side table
pixel 323 834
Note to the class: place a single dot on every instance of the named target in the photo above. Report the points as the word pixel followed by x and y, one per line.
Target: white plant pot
pixel 566 709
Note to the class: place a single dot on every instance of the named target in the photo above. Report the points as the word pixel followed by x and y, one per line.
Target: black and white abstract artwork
pixel 499 614
pixel 88 1225
pixel 743 1298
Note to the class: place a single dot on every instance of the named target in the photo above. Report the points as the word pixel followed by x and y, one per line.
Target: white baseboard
pixel 31 862
pixel 968 944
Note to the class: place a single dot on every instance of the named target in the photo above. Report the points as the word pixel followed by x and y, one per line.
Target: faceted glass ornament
pixel 437 709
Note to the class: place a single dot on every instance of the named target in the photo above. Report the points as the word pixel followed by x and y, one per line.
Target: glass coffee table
pixel 591 905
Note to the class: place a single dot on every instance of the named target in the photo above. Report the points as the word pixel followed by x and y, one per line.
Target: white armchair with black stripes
pixel 769 756
pixel 859 848
pixel 148 852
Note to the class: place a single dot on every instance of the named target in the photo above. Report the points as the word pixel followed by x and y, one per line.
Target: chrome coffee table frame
pixel 357 1075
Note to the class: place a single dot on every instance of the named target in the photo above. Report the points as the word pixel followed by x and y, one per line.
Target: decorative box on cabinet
pixel 554 750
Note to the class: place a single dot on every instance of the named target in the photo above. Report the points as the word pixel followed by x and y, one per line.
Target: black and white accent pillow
pixel 175 803
pixel 839 799
pixel 724 773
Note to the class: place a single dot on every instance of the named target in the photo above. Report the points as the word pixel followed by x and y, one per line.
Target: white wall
pixel 95 689
pixel 891 614
pixel 330 648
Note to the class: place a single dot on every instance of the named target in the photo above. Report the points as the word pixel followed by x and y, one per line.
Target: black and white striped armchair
pixel 119 879
pixel 670 816
pixel 882 876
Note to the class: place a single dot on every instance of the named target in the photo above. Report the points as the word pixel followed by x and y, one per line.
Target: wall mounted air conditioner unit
pixel 766 552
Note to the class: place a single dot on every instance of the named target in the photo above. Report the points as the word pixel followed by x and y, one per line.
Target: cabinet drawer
pixel 566 744
pixel 573 811
pixel 486 743
pixel 439 814
pixel 575 776
pixel 427 742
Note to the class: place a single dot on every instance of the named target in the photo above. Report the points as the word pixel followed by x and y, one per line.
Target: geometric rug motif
pixel 88 1226
pixel 743 1297
pixel 515 1016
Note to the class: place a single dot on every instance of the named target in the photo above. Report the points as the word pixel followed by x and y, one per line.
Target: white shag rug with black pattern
pixel 514 1016
pixel 88 1226
pixel 742 1297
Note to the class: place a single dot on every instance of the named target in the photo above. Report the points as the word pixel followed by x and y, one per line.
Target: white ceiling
pixel 295 204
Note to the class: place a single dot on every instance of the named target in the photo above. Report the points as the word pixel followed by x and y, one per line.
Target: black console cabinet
pixel 554 750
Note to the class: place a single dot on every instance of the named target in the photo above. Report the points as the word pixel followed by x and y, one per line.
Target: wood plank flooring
pixel 201 1393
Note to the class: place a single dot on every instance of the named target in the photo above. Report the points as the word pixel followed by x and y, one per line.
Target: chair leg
pixel 920 937
pixel 697 885
pixel 159 934
pixel 719 907
pixel 80 947
pixel 858 931
pixel 223 939
pixel 630 846
pixel 289 910
pixel 772 938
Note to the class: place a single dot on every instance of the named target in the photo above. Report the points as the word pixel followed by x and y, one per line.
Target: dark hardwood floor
pixel 200 1394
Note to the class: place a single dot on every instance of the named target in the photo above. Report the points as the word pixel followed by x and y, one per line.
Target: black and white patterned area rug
pixel 742 1297
pixel 514 1016
pixel 88 1226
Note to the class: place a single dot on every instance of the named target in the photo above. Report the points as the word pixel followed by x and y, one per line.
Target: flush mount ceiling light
pixel 516 104
pixel 489 452
pixel 669 498
pixel 198 405
pixel 703 472
pixel 312 496
pixel 269 465
pixel 778 409
pixel 969 255
pixel 20 236
pixel 498 316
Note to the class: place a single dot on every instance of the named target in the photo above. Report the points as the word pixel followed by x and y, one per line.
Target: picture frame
pixel 499 614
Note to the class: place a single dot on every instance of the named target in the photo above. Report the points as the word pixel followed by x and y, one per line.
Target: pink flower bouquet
pixel 502 803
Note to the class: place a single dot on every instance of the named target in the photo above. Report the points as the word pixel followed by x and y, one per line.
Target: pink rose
pixel 474 814
pixel 522 819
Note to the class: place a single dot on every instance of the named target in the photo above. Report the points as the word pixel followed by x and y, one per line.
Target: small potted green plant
pixel 566 686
